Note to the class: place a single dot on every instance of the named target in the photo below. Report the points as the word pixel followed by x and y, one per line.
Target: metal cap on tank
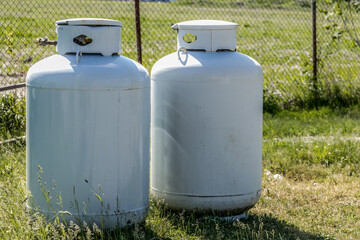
pixel 89 35
pixel 206 35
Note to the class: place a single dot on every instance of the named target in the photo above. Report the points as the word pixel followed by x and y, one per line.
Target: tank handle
pixel 182 49
pixel 78 55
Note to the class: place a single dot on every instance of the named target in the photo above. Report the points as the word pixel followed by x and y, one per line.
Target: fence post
pixel 315 60
pixel 138 31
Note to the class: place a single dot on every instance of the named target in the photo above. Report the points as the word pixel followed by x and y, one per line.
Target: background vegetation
pixel 311 156
pixel 277 33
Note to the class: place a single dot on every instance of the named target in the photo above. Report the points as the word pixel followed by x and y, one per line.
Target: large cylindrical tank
pixel 88 120
pixel 206 122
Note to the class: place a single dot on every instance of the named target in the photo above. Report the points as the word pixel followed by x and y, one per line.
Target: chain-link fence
pixel 277 33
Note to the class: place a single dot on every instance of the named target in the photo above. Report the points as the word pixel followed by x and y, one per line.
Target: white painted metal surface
pixel 105 35
pixel 206 128
pixel 211 35
pixel 88 130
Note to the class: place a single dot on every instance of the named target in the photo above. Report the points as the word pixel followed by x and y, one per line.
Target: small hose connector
pixel 45 41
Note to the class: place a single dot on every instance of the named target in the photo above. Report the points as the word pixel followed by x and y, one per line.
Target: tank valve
pixel 45 41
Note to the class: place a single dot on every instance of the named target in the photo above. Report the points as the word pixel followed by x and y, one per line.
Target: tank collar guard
pixel 206 35
pixel 89 35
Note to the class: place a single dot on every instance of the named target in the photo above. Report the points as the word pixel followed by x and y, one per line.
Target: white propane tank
pixel 88 120
pixel 206 122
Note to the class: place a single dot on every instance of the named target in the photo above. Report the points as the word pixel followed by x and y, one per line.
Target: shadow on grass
pixel 255 227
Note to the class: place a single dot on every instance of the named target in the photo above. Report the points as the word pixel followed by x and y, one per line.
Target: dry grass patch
pixel 331 207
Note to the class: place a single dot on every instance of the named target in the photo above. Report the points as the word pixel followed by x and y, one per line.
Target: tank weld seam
pixel 206 196
pixel 92 90
pixel 203 82
pixel 112 214
pixel 135 88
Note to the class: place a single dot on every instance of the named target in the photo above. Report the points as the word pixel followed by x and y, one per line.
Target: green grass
pixel 313 144
pixel 316 154
pixel 12 116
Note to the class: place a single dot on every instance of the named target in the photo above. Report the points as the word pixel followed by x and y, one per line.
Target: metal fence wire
pixel 277 33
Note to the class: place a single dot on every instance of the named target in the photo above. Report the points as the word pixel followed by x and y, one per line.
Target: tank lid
pixel 205 25
pixel 206 35
pixel 89 35
pixel 89 22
